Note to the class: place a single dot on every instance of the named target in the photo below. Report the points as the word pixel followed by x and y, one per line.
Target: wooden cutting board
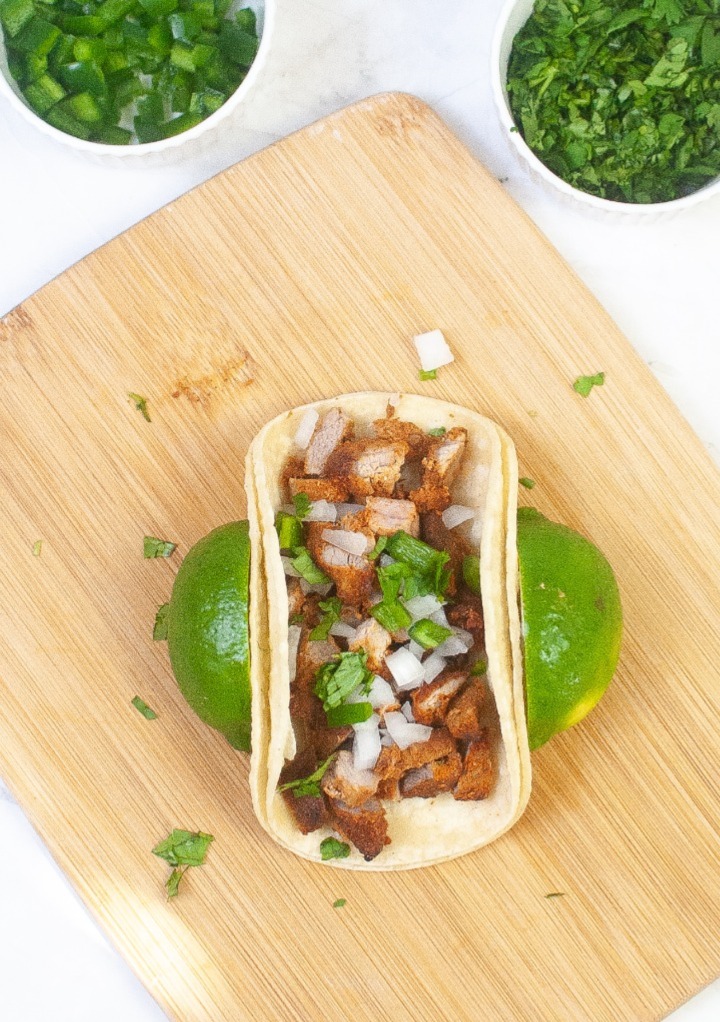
pixel 301 273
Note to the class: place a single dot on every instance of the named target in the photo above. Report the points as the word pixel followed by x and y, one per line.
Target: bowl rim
pixel 525 153
pixel 163 145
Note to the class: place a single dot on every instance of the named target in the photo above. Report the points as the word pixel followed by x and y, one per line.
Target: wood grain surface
pixel 301 273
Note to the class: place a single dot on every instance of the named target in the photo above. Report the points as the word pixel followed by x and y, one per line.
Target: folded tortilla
pixel 422 831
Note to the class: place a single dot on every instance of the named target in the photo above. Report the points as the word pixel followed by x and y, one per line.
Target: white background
pixel 660 281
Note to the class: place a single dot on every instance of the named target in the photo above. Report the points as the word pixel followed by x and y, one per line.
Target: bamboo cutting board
pixel 301 273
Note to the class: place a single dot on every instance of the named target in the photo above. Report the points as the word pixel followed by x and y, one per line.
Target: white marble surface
pixel 659 281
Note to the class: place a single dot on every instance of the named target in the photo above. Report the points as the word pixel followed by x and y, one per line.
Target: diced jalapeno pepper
pixel 15 14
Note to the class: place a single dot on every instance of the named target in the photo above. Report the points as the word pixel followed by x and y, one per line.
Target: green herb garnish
pixel 428 634
pixel 153 547
pixel 427 374
pixel 437 431
pixel 160 628
pixel 336 679
pixel 331 848
pixel 380 545
pixel 339 902
pixel 37 548
pixel 182 849
pixel 349 713
pixel 307 786
pixel 479 668
pixel 141 405
pixel 555 894
pixel 584 384
pixel 424 560
pixel 471 573
pixel 526 482
pixel 331 613
pixel 392 616
pixel 303 504
pixel 143 708
pixel 289 530
pixel 621 100
pixel 303 562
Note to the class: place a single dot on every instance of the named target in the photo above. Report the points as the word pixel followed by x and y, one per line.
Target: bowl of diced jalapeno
pixel 126 77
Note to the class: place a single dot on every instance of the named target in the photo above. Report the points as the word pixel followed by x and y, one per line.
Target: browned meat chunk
pixel 478 776
pixel 451 541
pixel 369 466
pixel 332 429
pixel 430 702
pixel 375 640
pixel 292 467
pixel 440 467
pixel 465 717
pixel 389 789
pixel 467 613
pixel 363 826
pixel 305 706
pixel 353 575
pixel 396 430
pixel 433 778
pixel 343 783
pixel 394 761
pixel 326 740
pixel 386 516
pixel 309 812
pixel 296 597
pixel 334 490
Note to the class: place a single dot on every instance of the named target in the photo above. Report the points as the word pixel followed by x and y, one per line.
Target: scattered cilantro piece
pixel 479 668
pixel 526 482
pixel 339 902
pixel 438 431
pixel 427 374
pixel 331 613
pixel 141 405
pixel 380 545
pixel 331 848
pixel 425 561
pixel 555 894
pixel 335 680
pixel 37 548
pixel 621 101
pixel 584 384
pixel 160 628
pixel 182 849
pixel 307 785
pixel 303 562
pixel 143 708
pixel 153 547
pixel 428 634
pixel 302 504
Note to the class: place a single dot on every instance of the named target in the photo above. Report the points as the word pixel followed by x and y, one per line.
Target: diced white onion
pixel 403 733
pixel 351 542
pixel 464 636
pixel 405 668
pixel 433 666
pixel 423 606
pixel 416 649
pixel 380 694
pixel 321 511
pixel 406 710
pixel 385 739
pixel 440 617
pixel 306 428
pixel 348 509
pixel 454 646
pixel 344 631
pixel 394 400
pixel 288 568
pixel 366 744
pixel 385 560
pixel 433 350
pixel 456 514
pixel 293 643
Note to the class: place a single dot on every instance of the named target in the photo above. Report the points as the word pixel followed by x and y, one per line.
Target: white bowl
pixel 192 139
pixel 512 18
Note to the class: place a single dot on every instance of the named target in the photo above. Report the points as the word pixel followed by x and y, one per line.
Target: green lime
pixel 208 631
pixel 572 624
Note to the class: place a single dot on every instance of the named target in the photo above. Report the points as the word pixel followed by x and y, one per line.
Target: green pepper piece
pixel 180 90
pixel 37 36
pixel 111 134
pixel 148 131
pixel 113 10
pixel 247 20
pixel 237 45
pixel 160 38
pixel 219 73
pixel 124 87
pixel 157 8
pixel 222 7
pixel 114 38
pixel 43 94
pixel 83 76
pixel 82 24
pixel 185 27
pixel 150 108
pixel 204 10
pixel 63 52
pixel 202 54
pixel 115 61
pixel 34 67
pixel 15 14
pixel 63 120
pixel 83 107
pixel 207 102
pixel 180 124
pixel 181 55
pixel 90 49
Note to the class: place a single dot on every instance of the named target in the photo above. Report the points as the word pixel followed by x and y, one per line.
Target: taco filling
pixel 389 698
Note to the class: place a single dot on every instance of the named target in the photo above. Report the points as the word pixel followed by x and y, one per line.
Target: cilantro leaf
pixel 380 545
pixel 437 431
pixel 339 902
pixel 331 848
pixel 331 613
pixel 173 881
pixel 37 548
pixel 335 680
pixel 153 547
pixel 427 374
pixel 184 848
pixel 160 628
pixel 584 384
pixel 141 405
pixel 302 504
pixel 303 562
pixel 526 482
pixel 308 786
pixel 143 708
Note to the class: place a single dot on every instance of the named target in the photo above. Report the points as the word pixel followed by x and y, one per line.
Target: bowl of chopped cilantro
pixel 130 77
pixel 613 104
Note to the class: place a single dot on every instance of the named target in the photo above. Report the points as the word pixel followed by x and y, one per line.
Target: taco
pixel 390 716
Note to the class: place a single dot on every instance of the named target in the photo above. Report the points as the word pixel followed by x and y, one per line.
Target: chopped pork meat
pixel 353 575
pixel 364 826
pixel 296 597
pixel 343 783
pixel 386 516
pixel 370 467
pixel 440 466
pixel 309 812
pixel 478 776
pixel 394 761
pixel 430 702
pixel 327 740
pixel 451 541
pixel 433 778
pixel 407 432
pixel 374 640
pixel 467 613
pixel 332 490
pixel 332 429
pixel 465 716
pixel 305 707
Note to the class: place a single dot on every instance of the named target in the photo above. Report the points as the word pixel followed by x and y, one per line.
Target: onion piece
pixel 423 606
pixel 293 644
pixel 440 618
pixel 288 567
pixel 342 630
pixel 385 559
pixel 394 400
pixel 403 733
pixel 416 649
pixel 348 509
pixel 454 645
pixel 366 744
pixel 433 350
pixel 433 666
pixel 406 710
pixel 405 668
pixel 306 428
pixel 322 511
pixel 380 694
pixel 351 542
pixel 455 515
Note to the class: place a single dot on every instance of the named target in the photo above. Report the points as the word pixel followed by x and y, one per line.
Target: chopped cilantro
pixel 380 545
pixel 479 668
pixel 340 902
pixel 160 628
pixel 428 634
pixel 143 708
pixel 303 562
pixel 182 849
pixel 430 574
pixel 37 548
pixel 336 679
pixel 173 881
pixel 348 713
pixel 621 100
pixel 584 384
pixel 302 505
pixel 427 374
pixel 153 547
pixel 526 482
pixel 555 894
pixel 141 405
pixel 305 786
pixel 331 848
pixel 331 613
pixel 438 431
